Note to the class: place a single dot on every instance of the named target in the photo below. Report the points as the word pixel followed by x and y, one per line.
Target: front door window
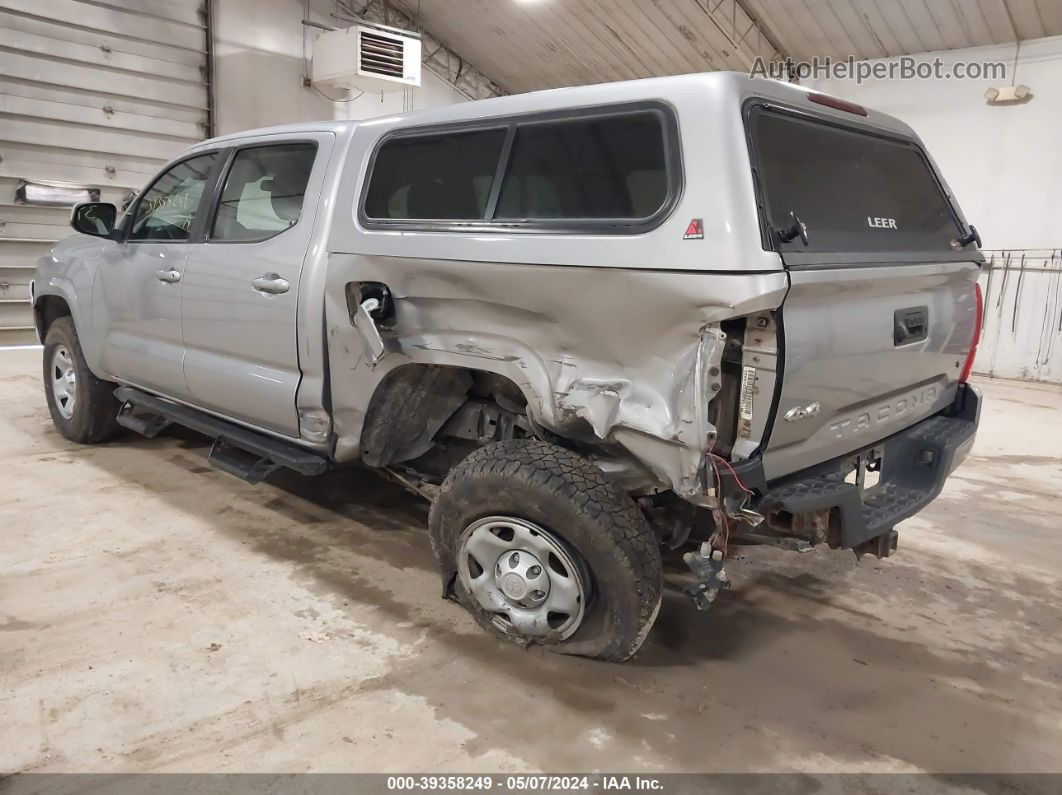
pixel 168 208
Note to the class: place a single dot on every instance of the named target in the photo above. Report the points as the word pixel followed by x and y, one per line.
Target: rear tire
pixel 83 407
pixel 554 500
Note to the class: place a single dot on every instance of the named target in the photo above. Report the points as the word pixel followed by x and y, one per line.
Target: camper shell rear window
pixel 853 189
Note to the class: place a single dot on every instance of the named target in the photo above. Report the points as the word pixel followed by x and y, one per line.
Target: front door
pixel 138 306
pixel 241 285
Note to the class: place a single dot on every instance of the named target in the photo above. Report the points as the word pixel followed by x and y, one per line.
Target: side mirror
pixel 94 218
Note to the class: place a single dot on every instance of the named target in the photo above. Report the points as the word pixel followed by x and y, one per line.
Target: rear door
pixel 881 309
pixel 239 304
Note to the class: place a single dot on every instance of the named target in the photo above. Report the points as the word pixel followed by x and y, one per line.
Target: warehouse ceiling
pixel 525 45
pixel 880 28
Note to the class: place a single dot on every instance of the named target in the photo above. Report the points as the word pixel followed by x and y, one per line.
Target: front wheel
pixel 83 407
pixel 541 547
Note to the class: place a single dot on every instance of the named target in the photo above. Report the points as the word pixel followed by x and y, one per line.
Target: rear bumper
pixel 916 462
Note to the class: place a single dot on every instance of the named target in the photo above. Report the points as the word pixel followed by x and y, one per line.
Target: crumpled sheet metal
pixel 631 355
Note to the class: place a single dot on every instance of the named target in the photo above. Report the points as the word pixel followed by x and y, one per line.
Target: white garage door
pixel 93 94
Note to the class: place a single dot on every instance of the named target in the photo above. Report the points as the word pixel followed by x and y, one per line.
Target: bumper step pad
pixel 916 462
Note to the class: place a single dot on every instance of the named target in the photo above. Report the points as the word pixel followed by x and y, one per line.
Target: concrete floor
pixel 157 615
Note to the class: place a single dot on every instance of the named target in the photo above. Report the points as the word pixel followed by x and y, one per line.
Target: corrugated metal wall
pixel 94 94
pixel 1022 333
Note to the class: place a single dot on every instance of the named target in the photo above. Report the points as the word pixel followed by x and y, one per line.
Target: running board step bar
pixel 237 450
pixel 146 424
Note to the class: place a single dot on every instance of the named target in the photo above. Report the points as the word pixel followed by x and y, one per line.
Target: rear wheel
pixel 83 407
pixel 542 548
pixel 530 581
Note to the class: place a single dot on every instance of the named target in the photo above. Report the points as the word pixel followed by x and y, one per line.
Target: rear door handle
pixel 271 283
pixel 170 275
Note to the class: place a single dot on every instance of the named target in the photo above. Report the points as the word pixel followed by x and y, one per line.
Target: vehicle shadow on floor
pixel 785 647
pixel 386 519
pixel 389 521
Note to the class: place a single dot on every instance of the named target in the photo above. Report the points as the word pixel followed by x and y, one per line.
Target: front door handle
pixel 271 283
pixel 170 275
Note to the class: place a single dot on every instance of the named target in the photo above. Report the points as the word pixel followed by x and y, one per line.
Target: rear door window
pixel 854 191
pixel 263 192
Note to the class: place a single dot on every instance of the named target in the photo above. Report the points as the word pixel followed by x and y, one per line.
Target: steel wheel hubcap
pixel 521 577
pixel 64 381
pixel 528 579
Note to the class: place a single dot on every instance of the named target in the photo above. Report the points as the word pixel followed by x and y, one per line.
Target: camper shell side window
pixel 612 169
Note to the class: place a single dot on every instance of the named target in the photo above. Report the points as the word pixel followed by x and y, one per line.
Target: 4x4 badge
pixel 695 231
pixel 800 412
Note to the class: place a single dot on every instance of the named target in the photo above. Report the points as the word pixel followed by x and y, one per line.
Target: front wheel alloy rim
pixel 64 381
pixel 530 581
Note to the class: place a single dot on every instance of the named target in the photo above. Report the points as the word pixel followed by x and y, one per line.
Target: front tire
pixel 83 407
pixel 542 548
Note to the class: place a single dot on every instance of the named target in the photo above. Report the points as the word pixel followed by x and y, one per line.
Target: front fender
pixel 68 272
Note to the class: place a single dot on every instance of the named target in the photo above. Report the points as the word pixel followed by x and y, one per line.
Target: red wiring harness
pixel 719 493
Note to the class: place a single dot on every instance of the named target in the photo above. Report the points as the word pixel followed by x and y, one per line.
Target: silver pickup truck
pixel 587 324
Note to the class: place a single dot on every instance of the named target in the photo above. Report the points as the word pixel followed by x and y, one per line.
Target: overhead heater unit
pixel 367 58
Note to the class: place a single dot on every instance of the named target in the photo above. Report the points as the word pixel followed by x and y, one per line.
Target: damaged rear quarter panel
pixel 628 353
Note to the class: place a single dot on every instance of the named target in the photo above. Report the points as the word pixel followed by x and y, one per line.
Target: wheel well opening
pixel 47 310
pixel 429 417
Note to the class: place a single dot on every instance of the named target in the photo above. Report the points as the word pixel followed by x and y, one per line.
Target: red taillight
pixel 976 336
